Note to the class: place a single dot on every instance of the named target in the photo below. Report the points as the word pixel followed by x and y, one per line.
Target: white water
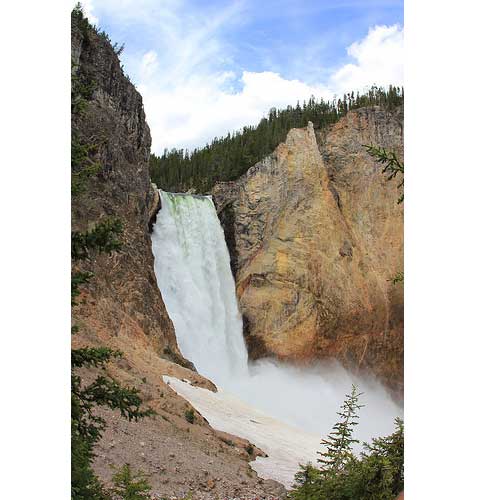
pixel 193 272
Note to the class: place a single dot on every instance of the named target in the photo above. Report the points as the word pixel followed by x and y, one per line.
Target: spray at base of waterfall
pixel 192 266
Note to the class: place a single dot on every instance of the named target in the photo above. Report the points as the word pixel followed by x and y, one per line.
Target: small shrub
pixel 190 416
pixel 227 441
pixel 129 485
pixel 250 449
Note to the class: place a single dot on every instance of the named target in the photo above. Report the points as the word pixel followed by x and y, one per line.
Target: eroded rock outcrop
pixel 315 234
pixel 122 303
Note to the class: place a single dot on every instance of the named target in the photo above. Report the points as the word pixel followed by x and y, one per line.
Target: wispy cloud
pixel 200 77
pixel 193 107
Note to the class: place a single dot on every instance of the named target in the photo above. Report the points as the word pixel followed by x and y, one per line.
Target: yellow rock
pixel 316 235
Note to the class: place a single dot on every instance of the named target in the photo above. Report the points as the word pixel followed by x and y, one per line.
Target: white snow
pixel 285 445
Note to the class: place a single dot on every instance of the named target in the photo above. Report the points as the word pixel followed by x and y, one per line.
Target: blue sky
pixel 208 67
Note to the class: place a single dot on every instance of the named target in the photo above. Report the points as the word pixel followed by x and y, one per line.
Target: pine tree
pixel 390 449
pixel 392 165
pixel 86 427
pixel 129 485
pixel 377 474
pixel 339 442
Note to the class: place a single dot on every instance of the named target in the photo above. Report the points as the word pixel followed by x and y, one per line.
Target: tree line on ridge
pixel 227 158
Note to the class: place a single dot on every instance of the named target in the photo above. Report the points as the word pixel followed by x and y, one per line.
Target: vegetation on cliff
pixel 129 485
pixel 392 165
pixel 378 474
pixel 229 157
pixel 86 425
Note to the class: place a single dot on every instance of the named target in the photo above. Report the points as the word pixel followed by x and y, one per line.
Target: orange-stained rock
pixel 315 235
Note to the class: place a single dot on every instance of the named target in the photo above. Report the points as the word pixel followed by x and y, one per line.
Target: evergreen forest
pixel 227 158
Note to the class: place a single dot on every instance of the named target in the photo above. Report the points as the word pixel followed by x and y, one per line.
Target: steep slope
pixel 123 299
pixel 315 234
pixel 122 307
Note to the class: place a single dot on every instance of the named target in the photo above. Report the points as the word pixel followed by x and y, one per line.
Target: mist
pixel 192 266
pixel 308 398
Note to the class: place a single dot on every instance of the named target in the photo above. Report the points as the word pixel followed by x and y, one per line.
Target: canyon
pixel 314 233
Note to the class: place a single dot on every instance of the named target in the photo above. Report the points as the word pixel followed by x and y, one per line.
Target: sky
pixel 206 68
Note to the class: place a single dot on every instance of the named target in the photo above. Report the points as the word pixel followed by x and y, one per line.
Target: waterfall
pixel 192 266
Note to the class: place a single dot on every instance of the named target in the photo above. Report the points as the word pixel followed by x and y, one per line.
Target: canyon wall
pixel 315 236
pixel 122 307
pixel 122 304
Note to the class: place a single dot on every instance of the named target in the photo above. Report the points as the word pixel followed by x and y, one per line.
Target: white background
pixel 441 249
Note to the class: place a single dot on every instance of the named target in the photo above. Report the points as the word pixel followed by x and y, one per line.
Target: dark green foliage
pixel 84 483
pixel 102 238
pixel 190 416
pixel 250 449
pixel 339 442
pixel 96 357
pixel 78 278
pixel 397 278
pixel 86 426
pixel 82 165
pixel 378 474
pixel 78 18
pixel 118 49
pixel 386 454
pixel 81 91
pixel 103 391
pixel 227 158
pixel 129 485
pixel 392 165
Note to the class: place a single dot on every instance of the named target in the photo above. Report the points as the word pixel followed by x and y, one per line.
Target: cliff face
pixel 122 303
pixel 122 307
pixel 315 233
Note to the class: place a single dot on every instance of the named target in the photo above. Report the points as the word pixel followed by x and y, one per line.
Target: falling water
pixel 192 266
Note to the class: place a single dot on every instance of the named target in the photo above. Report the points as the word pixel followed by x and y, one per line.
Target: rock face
pixel 123 299
pixel 122 307
pixel 315 233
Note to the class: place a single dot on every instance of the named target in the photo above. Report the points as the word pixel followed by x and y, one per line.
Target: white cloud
pixel 378 60
pixel 149 64
pixel 193 112
pixel 192 89
pixel 187 108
